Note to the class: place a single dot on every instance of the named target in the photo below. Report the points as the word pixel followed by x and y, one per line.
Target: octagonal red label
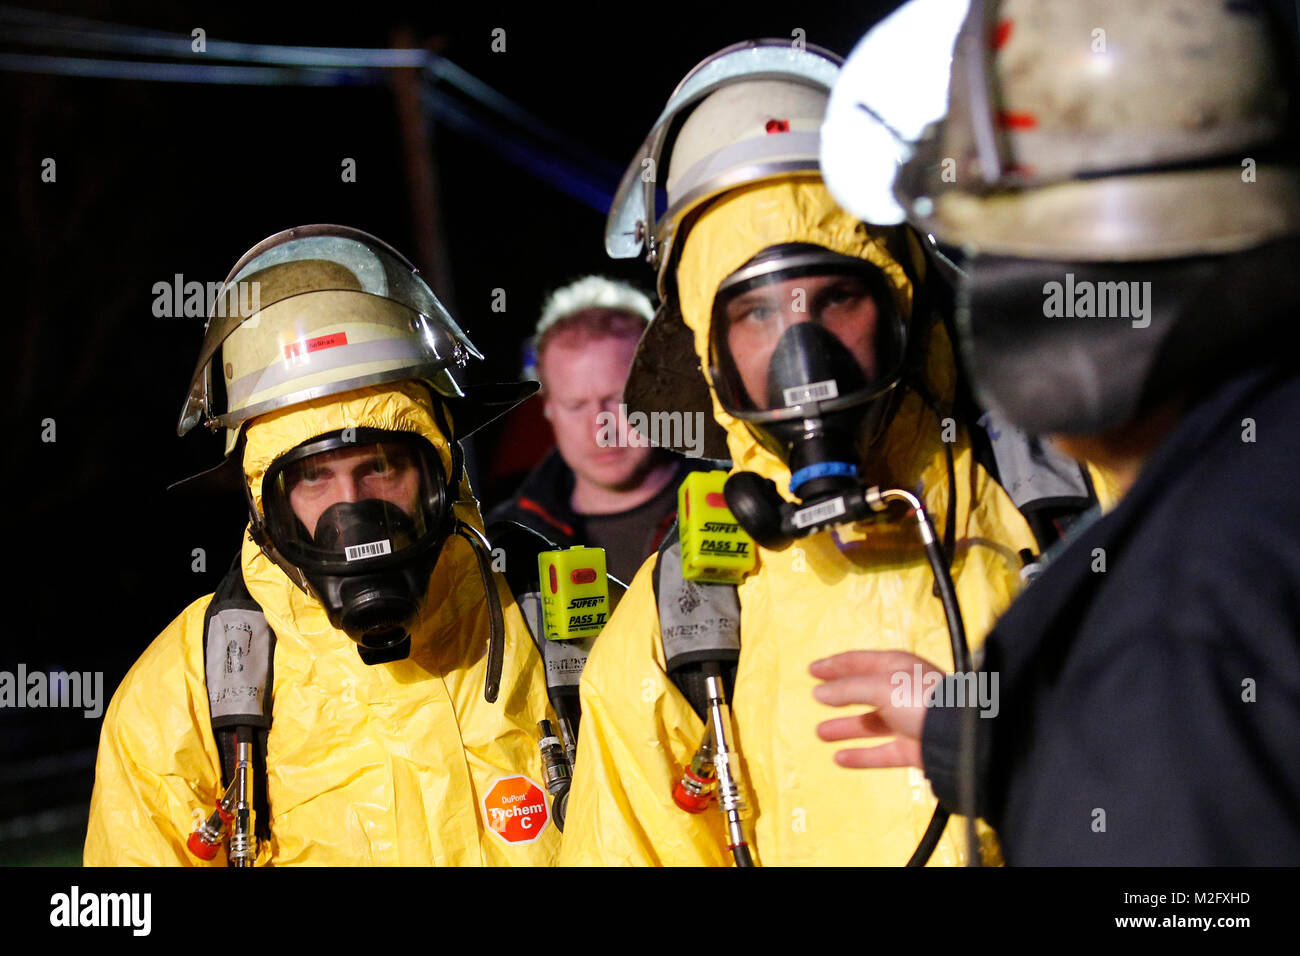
pixel 515 809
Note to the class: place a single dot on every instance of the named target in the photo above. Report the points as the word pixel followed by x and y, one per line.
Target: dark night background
pixel 159 178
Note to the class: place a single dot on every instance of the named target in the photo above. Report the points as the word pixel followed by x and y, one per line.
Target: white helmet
pixel 747 113
pixel 1139 151
pixel 320 310
pixel 1074 129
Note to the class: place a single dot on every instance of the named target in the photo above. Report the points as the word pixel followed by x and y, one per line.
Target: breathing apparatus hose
pixel 947 593
pixel 496 621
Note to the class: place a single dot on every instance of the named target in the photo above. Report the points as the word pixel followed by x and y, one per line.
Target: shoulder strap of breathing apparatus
pixel 699 624
pixel 238 661
pixel 1049 489
pixel 701 561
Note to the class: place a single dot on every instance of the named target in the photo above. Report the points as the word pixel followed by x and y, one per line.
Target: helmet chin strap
pixel 496 620
pixel 482 549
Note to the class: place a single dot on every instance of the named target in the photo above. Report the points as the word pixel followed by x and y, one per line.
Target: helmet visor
pixel 360 499
pixel 315 311
pixel 805 338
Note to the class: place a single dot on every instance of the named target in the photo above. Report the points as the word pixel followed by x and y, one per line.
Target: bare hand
pixel 875 678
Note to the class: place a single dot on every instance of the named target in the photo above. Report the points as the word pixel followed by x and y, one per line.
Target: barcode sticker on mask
pixel 821 512
pixel 816 392
pixel 358 551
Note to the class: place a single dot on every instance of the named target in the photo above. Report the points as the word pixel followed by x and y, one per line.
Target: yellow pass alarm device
pixel 715 548
pixel 575 593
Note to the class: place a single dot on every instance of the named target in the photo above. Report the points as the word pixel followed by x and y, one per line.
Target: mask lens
pixel 783 340
pixel 333 504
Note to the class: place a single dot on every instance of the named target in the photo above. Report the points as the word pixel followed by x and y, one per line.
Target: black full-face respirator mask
pixel 362 515
pixel 806 348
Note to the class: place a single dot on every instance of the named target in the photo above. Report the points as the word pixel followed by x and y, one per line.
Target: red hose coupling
pixel 201 847
pixel 693 792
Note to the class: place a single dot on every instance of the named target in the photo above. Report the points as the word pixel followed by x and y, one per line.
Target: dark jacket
pixel 1149 713
pixel 542 501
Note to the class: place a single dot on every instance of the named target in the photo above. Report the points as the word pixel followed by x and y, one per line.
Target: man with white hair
pixel 603 485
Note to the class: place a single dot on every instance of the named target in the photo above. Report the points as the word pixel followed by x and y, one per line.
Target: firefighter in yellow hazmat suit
pixel 747 205
pixel 400 715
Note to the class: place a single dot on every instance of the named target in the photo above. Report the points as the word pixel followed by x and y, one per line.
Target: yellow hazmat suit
pixel 379 765
pixel 850 588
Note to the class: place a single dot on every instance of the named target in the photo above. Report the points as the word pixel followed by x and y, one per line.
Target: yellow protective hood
pixel 404 407
pixel 403 763
pixel 745 222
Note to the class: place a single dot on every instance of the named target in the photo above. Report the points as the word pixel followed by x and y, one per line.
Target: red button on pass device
pixel 714 499
pixel 555 581
pixel 582 575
